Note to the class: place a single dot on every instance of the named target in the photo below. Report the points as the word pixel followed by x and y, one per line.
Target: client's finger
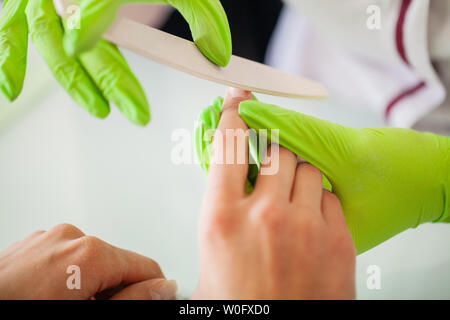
pixel 229 159
pixel 154 289
pixel 277 173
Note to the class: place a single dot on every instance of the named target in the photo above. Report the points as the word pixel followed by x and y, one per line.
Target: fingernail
pixel 164 290
pixel 234 97
pixel 238 93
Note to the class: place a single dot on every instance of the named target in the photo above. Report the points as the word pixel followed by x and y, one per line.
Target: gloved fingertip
pixel 249 108
pixel 139 117
pixel 9 93
pixel 99 113
pixel 98 108
pixel 220 57
pixel 141 121
pixel 134 107
pixel 222 54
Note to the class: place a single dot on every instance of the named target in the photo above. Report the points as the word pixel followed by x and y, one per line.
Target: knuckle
pixel 64 230
pixel 62 227
pixel 90 246
pixel 310 170
pixel 157 270
pixel 86 252
pixel 270 215
pixel 220 223
pixel 332 199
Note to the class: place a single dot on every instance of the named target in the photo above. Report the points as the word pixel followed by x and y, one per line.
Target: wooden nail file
pixel 183 55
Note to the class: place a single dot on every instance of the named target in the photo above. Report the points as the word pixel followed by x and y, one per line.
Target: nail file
pixel 184 56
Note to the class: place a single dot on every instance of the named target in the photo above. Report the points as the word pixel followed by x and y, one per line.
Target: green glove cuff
pixel 446 185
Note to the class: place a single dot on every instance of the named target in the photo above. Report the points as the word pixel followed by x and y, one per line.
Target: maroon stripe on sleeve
pixel 402 95
pixel 399 41
pixel 400 44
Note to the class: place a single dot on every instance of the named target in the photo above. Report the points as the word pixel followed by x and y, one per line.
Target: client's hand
pixel 36 268
pixel 286 240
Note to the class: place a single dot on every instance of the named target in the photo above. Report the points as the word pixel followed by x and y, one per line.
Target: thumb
pixel 154 289
pixel 322 143
pixel 209 28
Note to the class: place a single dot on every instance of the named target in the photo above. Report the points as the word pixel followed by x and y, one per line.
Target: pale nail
pixel 164 290
pixel 238 93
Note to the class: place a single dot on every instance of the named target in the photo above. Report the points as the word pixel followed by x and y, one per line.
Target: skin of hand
pixel 286 240
pixel 91 70
pixel 388 179
pixel 35 268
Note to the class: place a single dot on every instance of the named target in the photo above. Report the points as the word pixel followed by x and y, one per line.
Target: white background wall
pixel 116 181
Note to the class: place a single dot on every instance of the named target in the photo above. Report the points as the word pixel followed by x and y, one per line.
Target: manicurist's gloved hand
pixel 286 240
pixel 388 179
pixel 91 70
pixel 63 263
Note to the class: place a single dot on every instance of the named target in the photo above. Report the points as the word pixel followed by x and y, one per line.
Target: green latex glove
pixel 101 75
pixel 387 179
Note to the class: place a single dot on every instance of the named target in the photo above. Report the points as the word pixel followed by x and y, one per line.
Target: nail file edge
pixel 184 56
